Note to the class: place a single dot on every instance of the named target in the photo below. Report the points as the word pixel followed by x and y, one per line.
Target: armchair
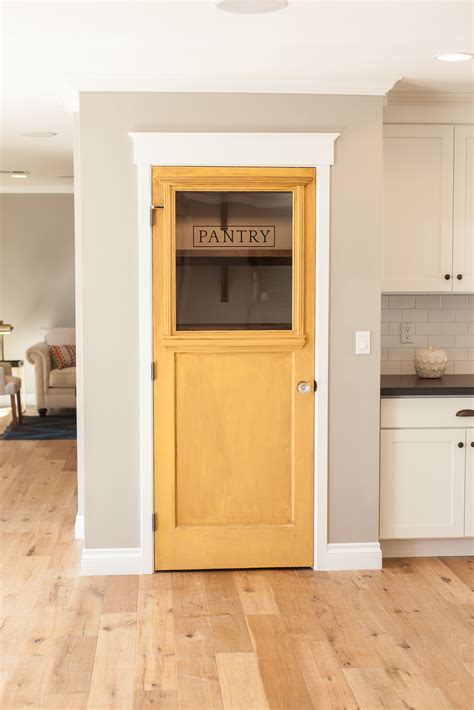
pixel 11 386
pixel 55 388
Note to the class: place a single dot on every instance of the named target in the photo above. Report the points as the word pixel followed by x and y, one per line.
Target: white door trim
pixel 234 149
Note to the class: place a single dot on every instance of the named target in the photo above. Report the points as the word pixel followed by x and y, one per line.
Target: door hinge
pixel 152 371
pixel 315 386
pixel 154 207
pixel 154 522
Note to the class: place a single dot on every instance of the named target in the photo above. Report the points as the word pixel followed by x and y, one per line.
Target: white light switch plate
pixel 363 342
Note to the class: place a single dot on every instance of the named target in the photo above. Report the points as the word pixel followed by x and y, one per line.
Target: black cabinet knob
pixel 461 445
pixel 459 277
pixel 447 276
pixel 472 444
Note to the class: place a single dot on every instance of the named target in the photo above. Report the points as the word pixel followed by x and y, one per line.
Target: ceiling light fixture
pixel 38 134
pixel 19 174
pixel 250 7
pixel 454 57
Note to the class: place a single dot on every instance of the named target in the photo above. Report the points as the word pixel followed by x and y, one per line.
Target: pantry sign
pixel 234 237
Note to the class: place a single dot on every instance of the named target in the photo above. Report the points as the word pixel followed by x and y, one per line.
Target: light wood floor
pixel 400 638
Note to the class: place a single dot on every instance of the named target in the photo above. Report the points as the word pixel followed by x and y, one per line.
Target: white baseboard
pixel 79 527
pixel 354 555
pixel 111 560
pixel 457 547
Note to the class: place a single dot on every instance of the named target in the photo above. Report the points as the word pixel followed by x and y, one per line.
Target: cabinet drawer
pixel 425 412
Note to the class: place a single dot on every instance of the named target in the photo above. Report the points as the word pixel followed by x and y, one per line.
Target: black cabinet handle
pixel 465 413
pixel 447 276
pixel 461 445
pixel 459 277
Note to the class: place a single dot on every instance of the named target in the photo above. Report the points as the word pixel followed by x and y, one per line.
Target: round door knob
pixel 461 445
pixel 447 276
pixel 459 277
pixel 303 387
pixel 472 444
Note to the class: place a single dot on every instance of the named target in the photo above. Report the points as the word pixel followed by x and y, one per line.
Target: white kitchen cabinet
pixel 427 468
pixel 422 483
pixel 418 208
pixel 469 518
pixel 463 236
pixel 428 226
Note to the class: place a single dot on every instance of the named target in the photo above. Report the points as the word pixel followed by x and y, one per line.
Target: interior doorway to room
pixel 233 305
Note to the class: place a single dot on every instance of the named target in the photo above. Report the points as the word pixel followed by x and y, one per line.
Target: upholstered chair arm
pixel 38 355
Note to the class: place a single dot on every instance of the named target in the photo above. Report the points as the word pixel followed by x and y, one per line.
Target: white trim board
pixel 79 527
pixel 36 189
pixel 110 561
pixel 354 555
pixel 453 547
pixel 236 149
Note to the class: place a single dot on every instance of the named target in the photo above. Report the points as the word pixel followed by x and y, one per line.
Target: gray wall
pixel 36 269
pixel 110 299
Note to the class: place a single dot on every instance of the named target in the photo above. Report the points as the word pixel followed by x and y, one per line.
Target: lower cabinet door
pixel 422 483
pixel 469 531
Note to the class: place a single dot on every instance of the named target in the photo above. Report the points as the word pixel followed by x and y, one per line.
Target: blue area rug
pixel 48 427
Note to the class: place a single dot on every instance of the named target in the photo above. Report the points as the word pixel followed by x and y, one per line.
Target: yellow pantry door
pixel 233 304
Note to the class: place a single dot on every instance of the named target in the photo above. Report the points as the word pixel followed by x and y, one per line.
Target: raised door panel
pixel 422 483
pixel 469 521
pixel 418 208
pixel 463 244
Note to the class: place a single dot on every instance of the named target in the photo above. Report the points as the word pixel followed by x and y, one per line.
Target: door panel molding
pixel 264 149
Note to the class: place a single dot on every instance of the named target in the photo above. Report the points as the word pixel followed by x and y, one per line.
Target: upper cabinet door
pixel 463 247
pixel 418 208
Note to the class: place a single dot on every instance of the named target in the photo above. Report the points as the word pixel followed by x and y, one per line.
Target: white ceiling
pixel 325 47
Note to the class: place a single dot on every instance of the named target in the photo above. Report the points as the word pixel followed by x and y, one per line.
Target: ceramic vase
pixel 430 362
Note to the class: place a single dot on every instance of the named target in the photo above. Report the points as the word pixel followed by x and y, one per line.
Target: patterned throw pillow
pixel 63 356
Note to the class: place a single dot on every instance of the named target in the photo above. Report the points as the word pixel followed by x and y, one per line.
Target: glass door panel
pixel 234 260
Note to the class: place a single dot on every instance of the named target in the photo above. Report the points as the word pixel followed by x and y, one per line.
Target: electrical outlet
pixel 407 333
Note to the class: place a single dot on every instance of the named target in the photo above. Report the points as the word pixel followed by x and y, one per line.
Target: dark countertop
pixel 413 386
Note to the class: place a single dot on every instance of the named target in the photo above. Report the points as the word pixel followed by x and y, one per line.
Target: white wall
pixel 110 294
pixel 36 269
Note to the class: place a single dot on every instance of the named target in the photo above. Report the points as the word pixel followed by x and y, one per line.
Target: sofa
pixel 54 388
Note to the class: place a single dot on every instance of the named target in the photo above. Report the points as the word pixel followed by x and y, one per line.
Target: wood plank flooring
pixel 244 640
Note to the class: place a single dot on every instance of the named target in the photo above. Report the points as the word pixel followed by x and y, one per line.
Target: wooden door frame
pixel 310 150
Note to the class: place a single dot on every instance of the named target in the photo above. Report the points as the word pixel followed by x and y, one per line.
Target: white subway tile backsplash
pixel 441 341
pixel 428 301
pixel 441 314
pixel 391 314
pixel 464 367
pixel 390 341
pixel 464 314
pixel 454 328
pixel 401 301
pixel 457 354
pixel 413 315
pixel 401 354
pixel 445 321
pixel 391 368
pixel 454 301
pixel 464 341
pixel 428 328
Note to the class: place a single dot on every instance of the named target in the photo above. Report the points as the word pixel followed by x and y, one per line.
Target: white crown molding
pixel 37 189
pixel 237 83
pixel 430 98
pixel 353 556
pixel 109 561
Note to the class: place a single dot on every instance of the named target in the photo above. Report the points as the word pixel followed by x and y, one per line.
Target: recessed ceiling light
pixel 454 57
pixel 38 134
pixel 19 174
pixel 247 7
